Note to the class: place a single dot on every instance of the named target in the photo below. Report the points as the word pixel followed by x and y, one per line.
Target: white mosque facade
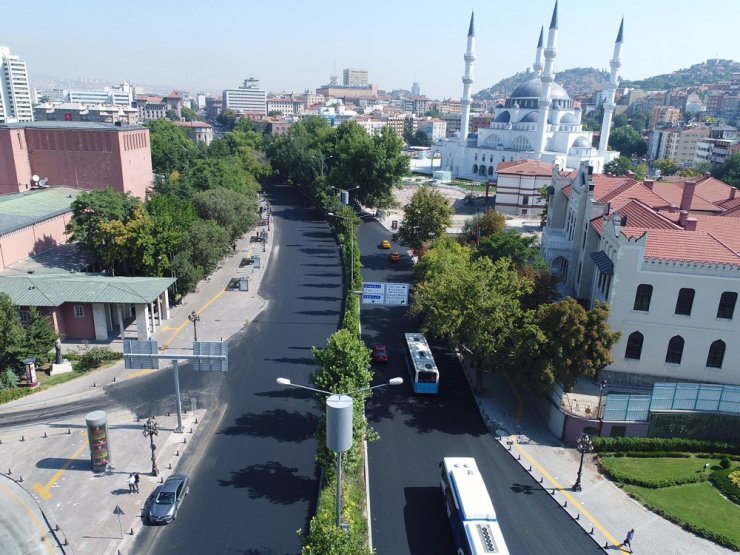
pixel 538 121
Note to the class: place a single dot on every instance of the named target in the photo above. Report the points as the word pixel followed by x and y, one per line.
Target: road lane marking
pixel 32 518
pixel 141 373
pixel 186 322
pixel 43 490
pixel 570 498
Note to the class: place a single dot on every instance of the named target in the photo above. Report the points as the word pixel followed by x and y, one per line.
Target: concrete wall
pixel 15 168
pixel 33 239
pixel 575 426
pixel 78 328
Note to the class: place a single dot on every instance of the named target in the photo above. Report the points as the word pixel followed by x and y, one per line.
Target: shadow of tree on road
pixel 273 481
pixel 279 424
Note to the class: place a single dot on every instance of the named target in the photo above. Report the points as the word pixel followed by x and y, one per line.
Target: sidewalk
pixel 50 461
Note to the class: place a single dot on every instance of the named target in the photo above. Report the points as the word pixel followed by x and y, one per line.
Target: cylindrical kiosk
pixel 31 380
pixel 97 435
pixel 339 436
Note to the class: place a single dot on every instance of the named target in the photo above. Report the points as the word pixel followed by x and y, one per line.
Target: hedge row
pixel 652 454
pixel 632 444
pixel 722 481
pixel 626 478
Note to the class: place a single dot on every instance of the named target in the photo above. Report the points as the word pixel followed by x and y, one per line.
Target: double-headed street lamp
pixel 584 445
pixel 194 318
pixel 151 429
pixel 339 425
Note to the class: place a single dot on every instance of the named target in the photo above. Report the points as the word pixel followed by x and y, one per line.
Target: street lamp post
pixel 151 429
pixel 600 412
pixel 339 425
pixel 194 318
pixel 584 445
pixel 351 248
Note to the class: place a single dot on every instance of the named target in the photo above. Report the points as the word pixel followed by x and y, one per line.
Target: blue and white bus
pixel 420 364
pixel 469 507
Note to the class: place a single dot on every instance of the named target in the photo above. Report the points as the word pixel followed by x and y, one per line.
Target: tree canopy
pixel 172 150
pixel 627 141
pixel 729 172
pixel 426 217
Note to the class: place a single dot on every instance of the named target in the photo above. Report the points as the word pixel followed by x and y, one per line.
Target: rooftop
pixel 19 210
pixel 76 125
pixel 524 167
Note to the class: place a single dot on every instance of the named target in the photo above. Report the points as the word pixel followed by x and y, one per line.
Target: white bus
pixel 469 507
pixel 420 364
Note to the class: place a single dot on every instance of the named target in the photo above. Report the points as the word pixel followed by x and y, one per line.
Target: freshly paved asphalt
pixel 254 479
pixel 416 432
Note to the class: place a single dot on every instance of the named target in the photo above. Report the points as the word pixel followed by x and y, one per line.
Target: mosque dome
pixel 503 117
pixel 581 142
pixel 531 117
pixel 533 89
pixel 568 118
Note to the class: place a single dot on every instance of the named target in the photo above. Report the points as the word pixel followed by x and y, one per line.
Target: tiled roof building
pixel 665 255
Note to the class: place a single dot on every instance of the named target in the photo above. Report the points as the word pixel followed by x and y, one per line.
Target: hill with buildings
pixel 578 81
pixel 705 73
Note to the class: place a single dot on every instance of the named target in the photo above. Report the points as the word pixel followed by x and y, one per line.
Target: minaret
pixel 609 105
pixel 467 82
pixel 537 66
pixel 547 78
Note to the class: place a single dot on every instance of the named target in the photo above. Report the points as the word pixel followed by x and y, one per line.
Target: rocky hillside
pixel 705 73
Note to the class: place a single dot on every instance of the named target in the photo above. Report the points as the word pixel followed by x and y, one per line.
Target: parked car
pixel 395 257
pixel 167 502
pixel 385 244
pixel 380 353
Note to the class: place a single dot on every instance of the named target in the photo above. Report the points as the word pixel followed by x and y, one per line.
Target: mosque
pixel 537 122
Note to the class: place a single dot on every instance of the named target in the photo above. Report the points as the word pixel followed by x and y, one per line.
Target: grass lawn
pixel 645 469
pixel 699 505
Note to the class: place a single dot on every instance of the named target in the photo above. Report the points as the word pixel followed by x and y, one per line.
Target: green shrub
pixel 616 444
pixel 8 379
pixel 725 462
pixel 728 482
pixel 95 357
pixel 13 393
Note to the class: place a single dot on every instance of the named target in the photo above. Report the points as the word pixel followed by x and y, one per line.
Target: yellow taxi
pixel 385 244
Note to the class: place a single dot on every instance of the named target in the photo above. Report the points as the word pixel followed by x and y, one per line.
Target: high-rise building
pixel 354 77
pixel 415 89
pixel 15 92
pixel 247 98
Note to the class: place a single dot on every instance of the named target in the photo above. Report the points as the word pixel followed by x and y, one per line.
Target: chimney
pixel 733 190
pixel 683 217
pixel 690 224
pixel 649 183
pixel 688 195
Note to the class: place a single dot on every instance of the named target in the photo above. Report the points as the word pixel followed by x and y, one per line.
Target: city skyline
pixel 398 44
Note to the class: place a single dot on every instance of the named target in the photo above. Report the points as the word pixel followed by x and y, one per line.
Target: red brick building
pixel 84 155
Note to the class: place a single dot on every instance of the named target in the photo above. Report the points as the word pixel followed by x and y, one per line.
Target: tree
pixel 729 172
pixel 419 138
pixel 189 114
pixel 619 166
pixel 562 341
pixel 639 122
pixel 171 148
pixel 11 336
pixel 627 141
pixel 666 166
pixel 172 115
pixel 227 119
pixel 235 212
pixel 619 121
pixel 425 218
pixel 482 225
pixel 39 336
pixel 214 173
pixel 702 167
pixel 520 249
pixel 641 171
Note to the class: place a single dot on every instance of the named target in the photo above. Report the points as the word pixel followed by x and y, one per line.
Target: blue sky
pixel 294 44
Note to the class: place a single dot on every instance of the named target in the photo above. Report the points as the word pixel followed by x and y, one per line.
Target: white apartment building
pixel 518 187
pixel 352 77
pixel 679 145
pixel 247 98
pixel 123 95
pixel 664 256
pixel 285 105
pixel 16 104
pixel 435 129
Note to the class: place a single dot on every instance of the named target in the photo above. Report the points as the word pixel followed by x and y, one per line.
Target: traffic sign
pixel 212 355
pixel 140 355
pixel 373 293
pixel 397 293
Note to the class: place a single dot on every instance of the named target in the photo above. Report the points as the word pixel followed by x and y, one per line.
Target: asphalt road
pixel 416 432
pixel 253 475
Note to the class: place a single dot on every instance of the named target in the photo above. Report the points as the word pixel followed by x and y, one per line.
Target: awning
pixel 603 263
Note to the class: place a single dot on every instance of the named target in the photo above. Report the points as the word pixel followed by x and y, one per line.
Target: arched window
pixel 634 345
pixel 490 170
pixel 726 306
pixel 475 168
pixel 685 301
pixel 675 350
pixel 483 170
pixel 716 354
pixel 642 297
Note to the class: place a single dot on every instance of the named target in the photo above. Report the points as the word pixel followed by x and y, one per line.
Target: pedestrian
pixel 136 482
pixel 131 483
pixel 628 540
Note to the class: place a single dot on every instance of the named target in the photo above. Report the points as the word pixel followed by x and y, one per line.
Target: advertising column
pixel 97 434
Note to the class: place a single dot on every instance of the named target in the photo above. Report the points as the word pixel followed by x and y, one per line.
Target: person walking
pixel 628 540
pixel 131 483
pixel 136 482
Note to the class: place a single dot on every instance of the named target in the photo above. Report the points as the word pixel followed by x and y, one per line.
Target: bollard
pixel 184 440
pixel 94 384
pixel 9 472
pixel 45 436
pixel 66 541
pixel 565 503
pixel 23 438
pixel 161 480
pixel 578 516
pixel 541 479
pixel 196 420
pixel 553 491
pixel 606 545
pixel 1 441
pixel 177 453
pixel 530 468
pixel 131 532
pixel 191 430
pixel 519 457
pixel 592 531
pixel 56 528
pixel 168 413
pixel 69 431
pixel 169 466
pixel 509 447
pixel 114 379
pixel 20 478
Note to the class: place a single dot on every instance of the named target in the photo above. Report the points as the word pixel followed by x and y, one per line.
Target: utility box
pixel 256 262
pixel 244 283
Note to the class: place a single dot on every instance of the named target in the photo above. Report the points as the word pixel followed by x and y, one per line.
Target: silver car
pixel 167 503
